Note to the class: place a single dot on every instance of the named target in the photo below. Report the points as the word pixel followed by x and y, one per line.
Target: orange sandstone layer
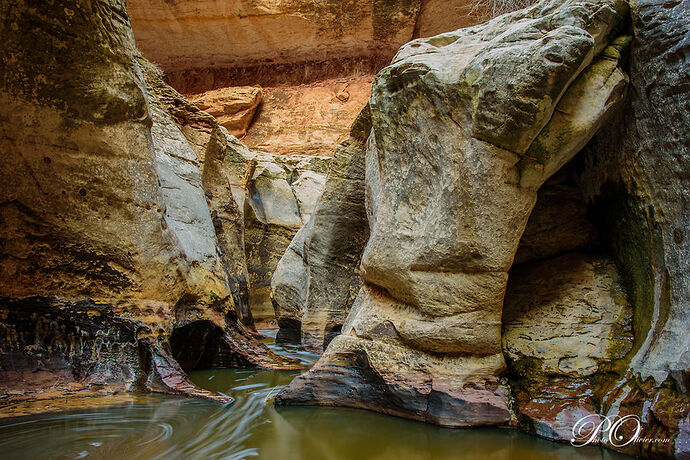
pixel 205 44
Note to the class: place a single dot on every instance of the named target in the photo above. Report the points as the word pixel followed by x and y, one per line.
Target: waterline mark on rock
pixel 616 431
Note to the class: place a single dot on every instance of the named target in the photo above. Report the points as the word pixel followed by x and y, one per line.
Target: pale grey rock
pixel 212 144
pixel 289 288
pixel 277 195
pixel 321 263
pixel 272 198
pixel 635 179
pixel 307 189
pixel 185 210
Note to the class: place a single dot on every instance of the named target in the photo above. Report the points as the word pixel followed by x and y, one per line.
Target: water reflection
pixel 159 427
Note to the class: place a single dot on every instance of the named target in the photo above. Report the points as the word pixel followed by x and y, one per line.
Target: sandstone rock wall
pixel 281 197
pixel 253 36
pixel 308 119
pixel 257 200
pixel 399 349
pixel 635 178
pixel 566 322
pixel 266 42
pixel 465 128
pixel 317 278
pixel 234 108
pixel 108 242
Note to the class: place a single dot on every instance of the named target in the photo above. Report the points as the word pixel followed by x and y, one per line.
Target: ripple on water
pixel 165 427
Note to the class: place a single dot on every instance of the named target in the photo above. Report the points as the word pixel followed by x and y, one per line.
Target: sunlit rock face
pixel 108 240
pixel 465 128
pixel 269 41
pixel 234 107
pixel 309 119
pixel 249 38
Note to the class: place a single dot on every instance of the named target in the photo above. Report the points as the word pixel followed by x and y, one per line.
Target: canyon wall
pixel 637 187
pixel 453 163
pixel 109 243
pixel 462 266
pixel 452 167
pixel 316 280
pixel 266 42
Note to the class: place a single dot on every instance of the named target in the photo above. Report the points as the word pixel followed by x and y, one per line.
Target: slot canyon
pixel 355 229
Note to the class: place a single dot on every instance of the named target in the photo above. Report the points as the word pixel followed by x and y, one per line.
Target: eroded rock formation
pixel 308 119
pixel 281 198
pixel 138 235
pixel 268 41
pixel 465 127
pixel 462 137
pixel 316 280
pixel 566 324
pixel 108 241
pixel 634 175
pixel 234 108
pixel 258 200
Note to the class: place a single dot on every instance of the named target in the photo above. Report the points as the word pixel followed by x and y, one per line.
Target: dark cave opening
pixel 203 345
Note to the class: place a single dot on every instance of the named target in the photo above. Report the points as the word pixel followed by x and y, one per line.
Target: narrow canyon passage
pixel 344 229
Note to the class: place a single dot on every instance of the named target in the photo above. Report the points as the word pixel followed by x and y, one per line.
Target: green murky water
pixel 158 427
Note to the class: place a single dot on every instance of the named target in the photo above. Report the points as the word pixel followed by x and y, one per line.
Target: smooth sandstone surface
pixel 317 278
pixel 280 198
pixel 558 225
pixel 451 182
pixel 258 202
pixel 109 245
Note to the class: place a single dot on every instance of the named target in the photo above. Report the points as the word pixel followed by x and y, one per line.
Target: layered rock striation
pixel 271 42
pixel 109 243
pixel 465 128
pixel 567 323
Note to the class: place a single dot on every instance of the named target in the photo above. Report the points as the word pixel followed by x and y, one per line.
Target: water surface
pixel 165 427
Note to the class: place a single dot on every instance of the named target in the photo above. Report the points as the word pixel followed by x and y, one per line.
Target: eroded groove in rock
pixel 317 278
